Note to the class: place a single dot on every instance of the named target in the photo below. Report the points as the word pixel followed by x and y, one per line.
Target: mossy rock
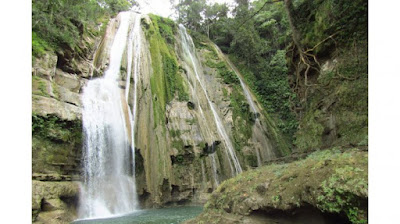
pixel 330 181
pixel 56 145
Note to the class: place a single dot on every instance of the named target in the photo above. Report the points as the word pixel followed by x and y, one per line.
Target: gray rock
pixel 45 105
pixel 47 203
pixel 69 81
pixel 45 66
pixel 69 97
pixel 43 87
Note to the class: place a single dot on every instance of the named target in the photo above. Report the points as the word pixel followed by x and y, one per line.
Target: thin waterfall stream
pixel 188 46
pixel 246 91
pixel 242 84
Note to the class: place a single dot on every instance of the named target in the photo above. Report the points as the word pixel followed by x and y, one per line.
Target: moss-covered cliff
pixel 176 128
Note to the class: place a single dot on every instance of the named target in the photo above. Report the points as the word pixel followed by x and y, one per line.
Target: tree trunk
pixel 295 33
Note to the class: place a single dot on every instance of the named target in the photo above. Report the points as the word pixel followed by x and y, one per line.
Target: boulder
pixel 45 105
pixel 45 66
pixel 69 97
pixel 66 80
pixel 54 202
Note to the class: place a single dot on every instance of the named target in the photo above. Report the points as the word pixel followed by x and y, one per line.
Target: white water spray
pixel 109 183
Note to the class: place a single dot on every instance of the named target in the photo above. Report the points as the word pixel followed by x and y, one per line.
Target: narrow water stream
pixel 189 48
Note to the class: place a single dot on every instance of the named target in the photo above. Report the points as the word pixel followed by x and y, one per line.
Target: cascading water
pixel 189 49
pixel 109 183
pixel 211 156
pixel 134 37
pixel 249 100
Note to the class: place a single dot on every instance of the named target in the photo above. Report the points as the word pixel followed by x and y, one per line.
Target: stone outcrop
pixel 329 186
pixel 54 202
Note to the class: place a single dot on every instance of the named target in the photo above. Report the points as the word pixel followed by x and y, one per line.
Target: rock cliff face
pixel 180 156
pixel 183 155
pixel 57 138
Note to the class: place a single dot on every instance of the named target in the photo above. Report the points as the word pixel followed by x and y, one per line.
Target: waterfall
pixel 189 50
pixel 251 103
pixel 136 36
pixel 109 183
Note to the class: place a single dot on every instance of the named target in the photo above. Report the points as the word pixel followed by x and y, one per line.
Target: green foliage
pixel 248 45
pixel 336 194
pixel 199 40
pixel 252 160
pixel 175 133
pixel 39 46
pixel 53 128
pixel 242 118
pixel 41 86
pixel 309 136
pixel 317 20
pixel 116 6
pixel 174 81
pixel 177 144
pixel 54 141
pixel 190 13
pixel 191 121
pixel 167 28
pixel 270 84
pixel 228 76
pixel 59 25
pixel 276 199
pixel 166 79
pixel 343 89
pixel 179 159
pixel 225 92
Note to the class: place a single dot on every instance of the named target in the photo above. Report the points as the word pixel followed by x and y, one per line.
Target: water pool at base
pixel 173 215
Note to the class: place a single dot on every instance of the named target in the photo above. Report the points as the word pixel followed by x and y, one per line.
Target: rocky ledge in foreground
pixel 326 187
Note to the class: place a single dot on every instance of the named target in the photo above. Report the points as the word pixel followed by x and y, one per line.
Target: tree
pixel 191 13
pixel 119 5
pixel 213 13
